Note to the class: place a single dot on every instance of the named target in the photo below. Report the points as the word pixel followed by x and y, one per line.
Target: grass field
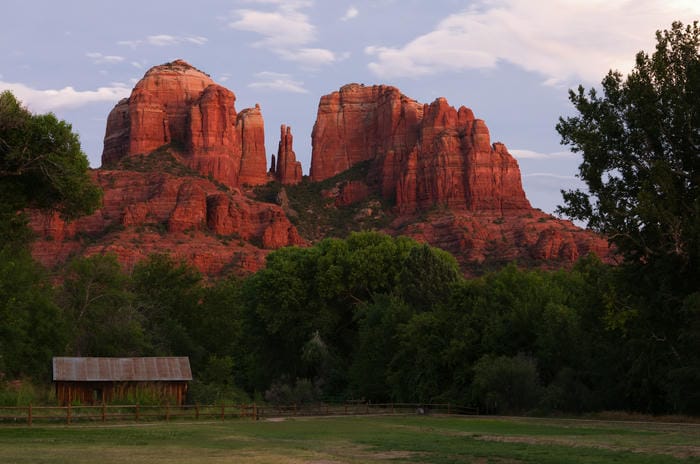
pixel 396 439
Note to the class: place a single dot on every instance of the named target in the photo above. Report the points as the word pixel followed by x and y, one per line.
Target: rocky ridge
pixel 179 164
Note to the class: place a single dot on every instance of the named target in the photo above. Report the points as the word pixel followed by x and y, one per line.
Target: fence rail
pixel 28 415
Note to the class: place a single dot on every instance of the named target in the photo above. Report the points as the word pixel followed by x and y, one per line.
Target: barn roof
pixel 121 369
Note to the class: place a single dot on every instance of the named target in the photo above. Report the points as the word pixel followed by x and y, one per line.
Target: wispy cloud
pixel 277 81
pixel 285 30
pixel 45 100
pixel 165 40
pixel 563 40
pixel 351 13
pixel 99 58
pixel 530 154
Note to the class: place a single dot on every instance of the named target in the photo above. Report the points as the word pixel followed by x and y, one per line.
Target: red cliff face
pixel 287 170
pixel 424 155
pixel 177 105
pixel 156 212
pixel 433 174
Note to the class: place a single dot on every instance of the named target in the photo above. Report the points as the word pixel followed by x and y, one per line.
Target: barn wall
pixel 122 392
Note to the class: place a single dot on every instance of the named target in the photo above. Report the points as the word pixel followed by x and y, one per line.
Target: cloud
pixel 277 81
pixel 165 40
pixel 529 154
pixel 313 57
pixel 286 26
pixel 563 40
pixel 99 58
pixel 285 31
pixel 41 101
pixel 350 14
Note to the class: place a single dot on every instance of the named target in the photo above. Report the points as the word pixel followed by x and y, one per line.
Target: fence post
pixel 29 415
pixel 295 409
pixel 68 414
pixel 167 412
pixel 255 412
pixel 196 410
pixel 223 413
pixel 104 412
pixel 136 412
pixel 392 408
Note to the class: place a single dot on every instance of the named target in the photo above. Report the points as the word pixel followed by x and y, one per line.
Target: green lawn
pixel 397 439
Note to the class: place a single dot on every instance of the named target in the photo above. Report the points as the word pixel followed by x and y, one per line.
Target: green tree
pixel 41 166
pixel 98 309
pixel 167 295
pixel 640 143
pixel 31 329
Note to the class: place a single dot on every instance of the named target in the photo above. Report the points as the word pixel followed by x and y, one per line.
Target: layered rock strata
pixel 178 106
pixel 423 155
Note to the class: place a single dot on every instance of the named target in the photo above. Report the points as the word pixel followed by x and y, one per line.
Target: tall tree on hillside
pixel 41 166
pixel 640 143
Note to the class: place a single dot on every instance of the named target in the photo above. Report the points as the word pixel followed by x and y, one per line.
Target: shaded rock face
pixel 423 155
pixel 175 104
pixel 286 170
pixel 154 212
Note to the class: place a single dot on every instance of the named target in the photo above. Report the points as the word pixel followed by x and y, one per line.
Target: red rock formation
pixel 156 212
pixel 177 105
pixel 288 169
pixel 425 155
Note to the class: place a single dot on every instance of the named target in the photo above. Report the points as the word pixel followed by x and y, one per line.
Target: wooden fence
pixel 28 415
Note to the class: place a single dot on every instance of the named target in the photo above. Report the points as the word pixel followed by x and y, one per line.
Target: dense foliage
pixel 368 317
pixel 640 144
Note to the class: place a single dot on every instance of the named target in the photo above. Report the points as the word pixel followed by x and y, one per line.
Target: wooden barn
pixel 106 380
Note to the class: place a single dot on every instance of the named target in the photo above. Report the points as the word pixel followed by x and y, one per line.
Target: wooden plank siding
pixel 70 392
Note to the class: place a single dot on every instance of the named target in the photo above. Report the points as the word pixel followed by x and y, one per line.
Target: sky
pixel 510 61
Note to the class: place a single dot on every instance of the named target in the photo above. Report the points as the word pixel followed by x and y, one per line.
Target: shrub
pixel 506 384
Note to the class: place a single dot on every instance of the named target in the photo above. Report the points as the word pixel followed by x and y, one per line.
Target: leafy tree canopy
pixel 640 142
pixel 41 163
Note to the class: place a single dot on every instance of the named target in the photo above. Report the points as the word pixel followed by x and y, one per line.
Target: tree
pixel 31 329
pixel 640 143
pixel 167 296
pixel 97 306
pixel 41 164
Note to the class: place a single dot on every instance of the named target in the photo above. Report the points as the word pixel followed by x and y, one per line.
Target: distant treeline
pixel 369 317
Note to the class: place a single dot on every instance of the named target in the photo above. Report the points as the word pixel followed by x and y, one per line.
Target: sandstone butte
pixel 177 116
pixel 179 161
pixel 177 105
pixel 450 185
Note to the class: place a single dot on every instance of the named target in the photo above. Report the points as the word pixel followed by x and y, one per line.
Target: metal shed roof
pixel 121 369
